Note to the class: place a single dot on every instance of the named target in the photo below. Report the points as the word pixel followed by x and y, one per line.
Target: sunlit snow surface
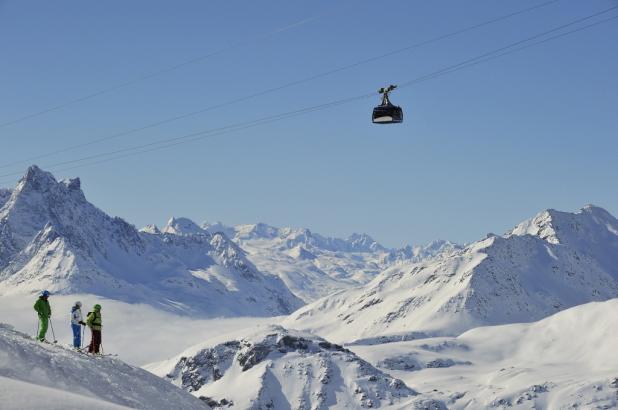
pixel 567 360
pixel 41 375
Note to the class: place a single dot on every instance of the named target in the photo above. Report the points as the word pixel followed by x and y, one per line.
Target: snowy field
pixel 567 360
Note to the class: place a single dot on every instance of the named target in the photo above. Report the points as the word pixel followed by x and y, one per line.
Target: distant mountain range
pixel 52 238
pixel 551 262
pixel 310 264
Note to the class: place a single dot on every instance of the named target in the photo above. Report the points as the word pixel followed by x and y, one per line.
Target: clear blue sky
pixel 480 149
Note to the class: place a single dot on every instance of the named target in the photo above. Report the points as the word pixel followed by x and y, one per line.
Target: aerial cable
pixel 511 51
pixel 496 51
pixel 200 134
pixel 225 130
pixel 281 87
pixel 166 143
pixel 160 72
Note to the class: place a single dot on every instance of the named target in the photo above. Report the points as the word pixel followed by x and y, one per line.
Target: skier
pixel 94 322
pixel 44 311
pixel 76 321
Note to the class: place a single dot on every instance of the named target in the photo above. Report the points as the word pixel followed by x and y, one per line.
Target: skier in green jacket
pixel 44 311
pixel 95 323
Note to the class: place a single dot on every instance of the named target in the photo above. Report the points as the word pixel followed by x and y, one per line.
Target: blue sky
pixel 480 149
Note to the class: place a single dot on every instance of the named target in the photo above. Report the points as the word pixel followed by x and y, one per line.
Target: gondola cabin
pixel 387 113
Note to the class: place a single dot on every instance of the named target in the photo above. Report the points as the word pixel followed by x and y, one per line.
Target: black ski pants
pixel 95 342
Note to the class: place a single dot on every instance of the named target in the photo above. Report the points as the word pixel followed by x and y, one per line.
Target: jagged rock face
pixel 39 200
pixel 280 368
pixel 542 267
pixel 207 366
pixel 52 237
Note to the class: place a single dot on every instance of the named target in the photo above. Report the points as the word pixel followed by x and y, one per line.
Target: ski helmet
pixel 45 293
pixel 97 307
pixel 78 304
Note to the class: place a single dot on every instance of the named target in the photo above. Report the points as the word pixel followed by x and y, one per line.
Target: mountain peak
pixel 151 228
pixel 598 212
pixel 36 179
pixel 364 242
pixel 72 183
pixel 259 230
pixel 563 227
pixel 182 226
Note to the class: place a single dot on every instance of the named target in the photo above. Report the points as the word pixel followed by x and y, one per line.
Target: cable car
pixel 387 113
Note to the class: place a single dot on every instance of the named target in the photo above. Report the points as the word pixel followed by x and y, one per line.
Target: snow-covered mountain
pixel 565 361
pixel 52 237
pixel 35 375
pixel 554 261
pixel 310 264
pixel 5 194
pixel 282 369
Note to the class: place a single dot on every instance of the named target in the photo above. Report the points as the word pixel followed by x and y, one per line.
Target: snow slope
pixel 52 237
pixel 520 277
pixel 280 369
pixel 35 375
pixel 567 360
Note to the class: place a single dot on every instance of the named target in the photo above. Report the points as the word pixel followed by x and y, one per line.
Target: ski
pixel 87 353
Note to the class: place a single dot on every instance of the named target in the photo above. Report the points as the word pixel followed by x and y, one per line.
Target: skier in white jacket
pixel 76 321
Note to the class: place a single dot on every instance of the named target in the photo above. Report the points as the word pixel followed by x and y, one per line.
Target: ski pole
pixel 52 329
pixel 81 341
pixel 38 325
